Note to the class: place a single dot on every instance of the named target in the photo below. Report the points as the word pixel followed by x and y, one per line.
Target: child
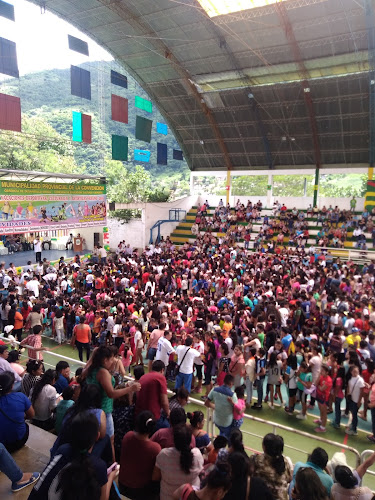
pixel 239 407
pixel 339 386
pixel 126 356
pixel 304 383
pixel 103 335
pixel 64 405
pixel 35 342
pixel 220 443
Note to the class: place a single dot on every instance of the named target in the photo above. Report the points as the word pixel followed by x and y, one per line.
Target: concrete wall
pixel 160 211
pixel 137 232
pixel 132 232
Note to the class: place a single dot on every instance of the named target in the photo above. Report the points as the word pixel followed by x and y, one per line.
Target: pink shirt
pixel 239 409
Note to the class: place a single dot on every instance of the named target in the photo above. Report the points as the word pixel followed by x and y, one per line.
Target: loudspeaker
pixel 112 205
pixel 96 239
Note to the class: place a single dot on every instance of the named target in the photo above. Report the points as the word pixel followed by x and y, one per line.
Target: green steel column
pixel 316 187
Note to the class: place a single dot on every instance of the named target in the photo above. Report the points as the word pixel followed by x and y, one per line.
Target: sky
pixel 42 39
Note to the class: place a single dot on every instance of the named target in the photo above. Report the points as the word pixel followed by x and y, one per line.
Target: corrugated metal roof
pixel 200 72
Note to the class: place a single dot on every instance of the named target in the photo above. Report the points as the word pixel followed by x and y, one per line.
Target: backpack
pixel 291 348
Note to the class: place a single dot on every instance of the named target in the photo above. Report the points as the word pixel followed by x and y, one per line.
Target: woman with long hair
pixel 178 465
pixel 202 439
pixel 308 486
pixel 89 400
pixel 138 457
pixel 273 467
pixel 274 377
pixel 16 320
pixel 97 372
pixel 14 431
pixel 44 398
pixel 74 473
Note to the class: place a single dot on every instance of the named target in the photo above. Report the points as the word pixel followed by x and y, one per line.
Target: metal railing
pixel 274 427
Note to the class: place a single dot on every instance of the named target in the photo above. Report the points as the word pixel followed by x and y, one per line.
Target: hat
pixel 355 330
pixel 8 329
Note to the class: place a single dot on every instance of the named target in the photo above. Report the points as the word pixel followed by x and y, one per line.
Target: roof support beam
pixel 287 25
pixel 370 22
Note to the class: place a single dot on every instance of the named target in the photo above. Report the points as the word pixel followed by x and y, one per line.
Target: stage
pixel 22 258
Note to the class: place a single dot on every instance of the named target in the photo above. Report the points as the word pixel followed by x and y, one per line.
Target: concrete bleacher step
pixel 33 457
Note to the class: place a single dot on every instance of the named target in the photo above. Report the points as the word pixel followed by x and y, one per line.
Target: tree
pixel 125 185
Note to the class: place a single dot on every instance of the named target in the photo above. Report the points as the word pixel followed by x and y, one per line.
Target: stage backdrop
pixel 41 206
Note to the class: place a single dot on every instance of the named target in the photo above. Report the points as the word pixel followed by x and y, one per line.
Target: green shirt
pixel 306 377
pixel 223 415
pixel 248 302
pixel 107 403
pixel 61 410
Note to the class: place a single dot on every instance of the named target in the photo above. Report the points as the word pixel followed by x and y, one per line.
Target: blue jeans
pixel 8 466
pixel 162 423
pixel 373 420
pixel 353 408
pixel 260 384
pixel 16 387
pixel 338 410
pixel 184 379
pixel 224 431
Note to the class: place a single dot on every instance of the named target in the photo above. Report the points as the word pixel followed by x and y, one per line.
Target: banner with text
pixel 41 206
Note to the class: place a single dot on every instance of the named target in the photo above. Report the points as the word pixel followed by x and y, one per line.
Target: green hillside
pixel 45 142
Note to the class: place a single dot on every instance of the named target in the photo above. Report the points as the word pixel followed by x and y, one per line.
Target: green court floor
pixel 297 447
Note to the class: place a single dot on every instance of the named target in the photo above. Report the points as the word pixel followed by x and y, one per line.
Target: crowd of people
pixel 231 325
pixel 287 226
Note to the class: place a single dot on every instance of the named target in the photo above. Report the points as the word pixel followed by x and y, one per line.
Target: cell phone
pixel 112 467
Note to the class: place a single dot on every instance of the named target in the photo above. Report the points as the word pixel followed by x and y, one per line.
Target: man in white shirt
pixel 38 249
pixel 185 359
pixel 356 385
pixel 33 287
pixel 284 314
pixel 103 255
pixel 164 348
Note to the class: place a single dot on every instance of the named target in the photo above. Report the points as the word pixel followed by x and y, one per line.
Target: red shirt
pixel 165 438
pixel 153 385
pixel 138 457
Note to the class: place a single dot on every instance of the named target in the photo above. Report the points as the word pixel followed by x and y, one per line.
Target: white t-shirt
pixel 45 403
pixel 355 385
pixel 33 286
pixel 315 363
pixel 138 340
pixel 284 315
pixel 164 350
pixel 200 348
pixel 187 366
pixel 37 246
pixel 116 330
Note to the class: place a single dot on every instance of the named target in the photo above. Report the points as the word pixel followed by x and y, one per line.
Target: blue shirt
pixel 60 384
pixel 325 479
pixel 12 416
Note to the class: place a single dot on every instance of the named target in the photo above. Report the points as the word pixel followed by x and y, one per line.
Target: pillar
pixel 269 190
pixel 228 186
pixel 316 187
pixel 191 184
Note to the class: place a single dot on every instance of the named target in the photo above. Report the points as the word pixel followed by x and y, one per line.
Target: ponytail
pixel 182 441
pixel 273 446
